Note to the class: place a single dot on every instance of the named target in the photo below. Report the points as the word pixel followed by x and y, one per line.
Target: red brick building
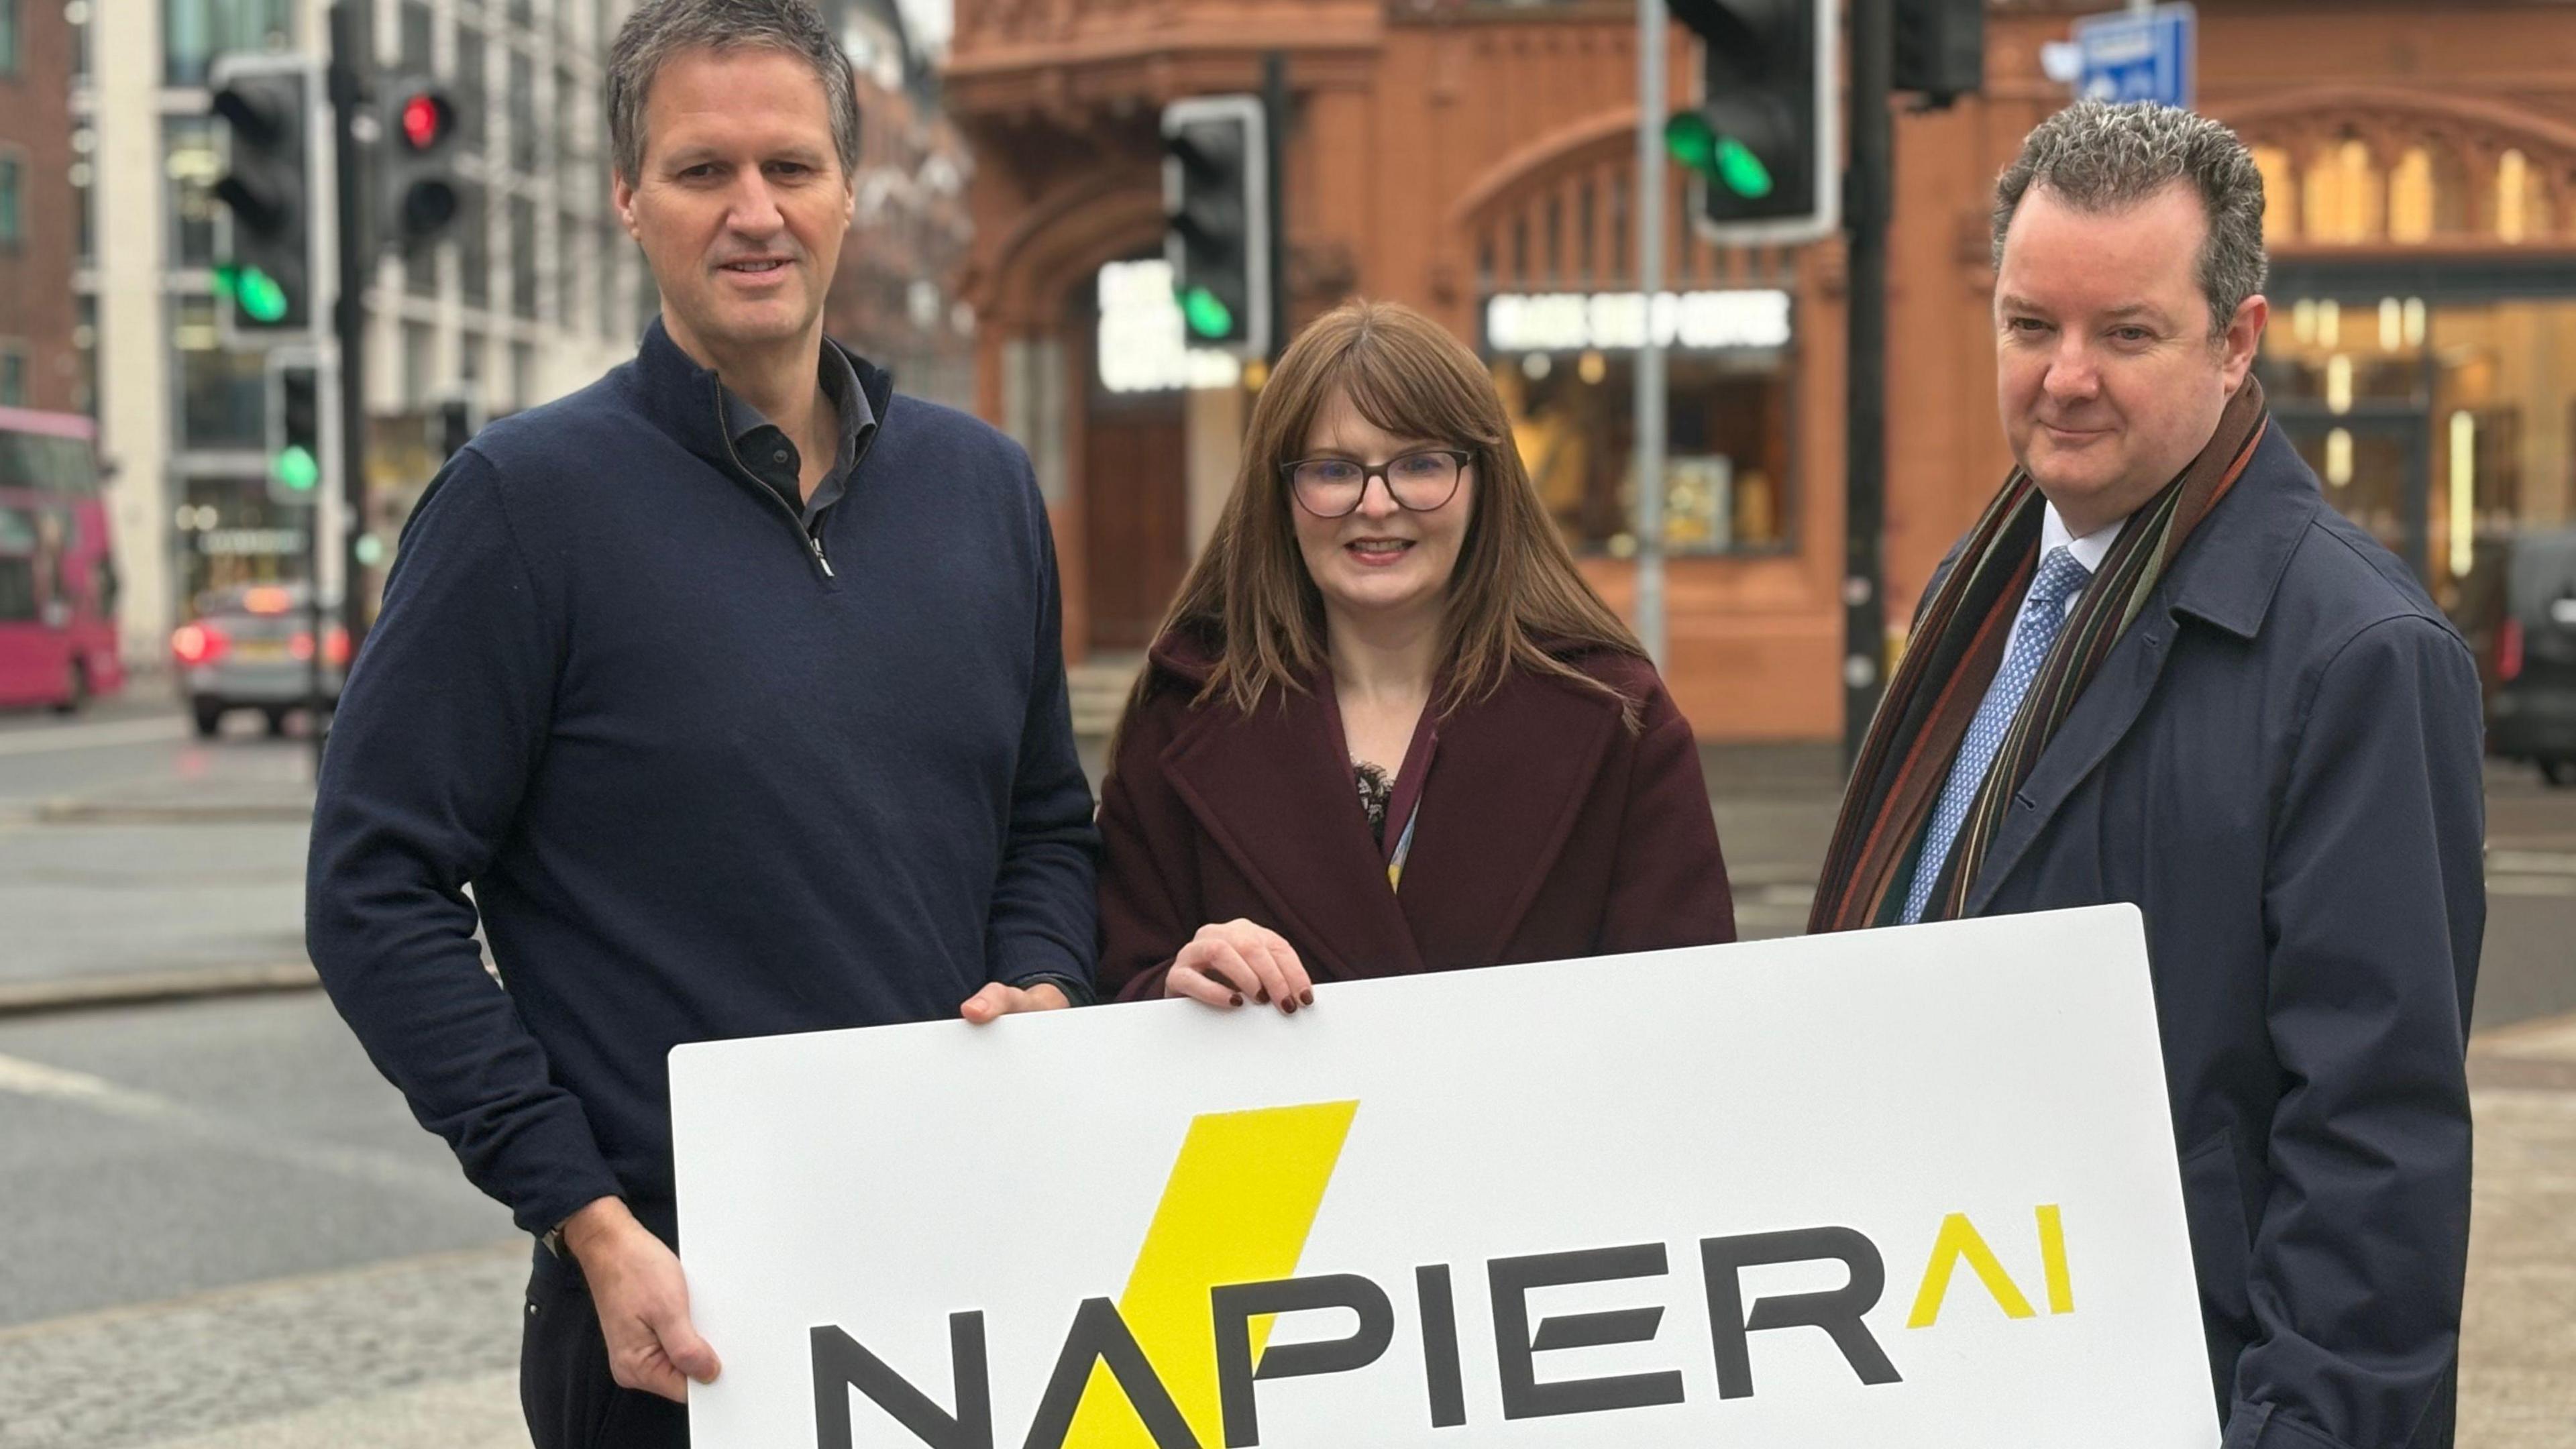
pixel 1473 159
pixel 38 365
pixel 894 295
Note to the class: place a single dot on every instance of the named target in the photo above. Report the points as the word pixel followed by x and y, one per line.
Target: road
pixel 219 1227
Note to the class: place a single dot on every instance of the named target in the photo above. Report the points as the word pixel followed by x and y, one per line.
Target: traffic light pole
pixel 1274 136
pixel 350 39
pixel 1865 210
pixel 1649 445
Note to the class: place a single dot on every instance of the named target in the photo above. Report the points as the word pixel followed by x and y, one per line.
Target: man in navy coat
pixel 2165 671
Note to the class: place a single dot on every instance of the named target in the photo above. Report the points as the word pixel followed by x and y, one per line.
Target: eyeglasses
pixel 1419 482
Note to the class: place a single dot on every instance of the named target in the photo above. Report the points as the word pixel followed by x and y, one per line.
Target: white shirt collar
pixel 2089 550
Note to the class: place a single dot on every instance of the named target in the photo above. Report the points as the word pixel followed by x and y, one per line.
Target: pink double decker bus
pixel 57 570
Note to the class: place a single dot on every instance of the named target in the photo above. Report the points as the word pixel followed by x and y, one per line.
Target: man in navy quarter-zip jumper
pixel 710 774
pixel 732 687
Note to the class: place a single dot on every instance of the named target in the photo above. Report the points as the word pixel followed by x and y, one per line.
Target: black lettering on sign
pixel 1838 1311
pixel 1524 1397
pixel 1440 1346
pixel 841 1364
pixel 1099 1335
pixel 1235 1306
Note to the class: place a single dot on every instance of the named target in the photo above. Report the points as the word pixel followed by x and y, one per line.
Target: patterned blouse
pixel 1376 791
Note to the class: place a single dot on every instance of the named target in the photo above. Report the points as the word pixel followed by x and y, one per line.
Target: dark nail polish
pixel 1235 999
pixel 1263 996
pixel 1306 998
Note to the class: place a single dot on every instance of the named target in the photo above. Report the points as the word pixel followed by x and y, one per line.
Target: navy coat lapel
pixel 2225 578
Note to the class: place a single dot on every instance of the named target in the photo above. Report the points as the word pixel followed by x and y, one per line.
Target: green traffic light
pixel 296 468
pixel 255 292
pixel 1206 315
pixel 1690 141
pixel 1722 159
pixel 1742 172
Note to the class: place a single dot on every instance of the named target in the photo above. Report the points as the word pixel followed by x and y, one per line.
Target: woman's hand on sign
pixel 1227 964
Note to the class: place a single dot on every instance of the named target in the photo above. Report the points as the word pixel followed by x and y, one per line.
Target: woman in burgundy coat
pixel 1387 727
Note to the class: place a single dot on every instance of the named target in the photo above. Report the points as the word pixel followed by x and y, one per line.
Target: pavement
pixel 421 1353
pixel 165 1072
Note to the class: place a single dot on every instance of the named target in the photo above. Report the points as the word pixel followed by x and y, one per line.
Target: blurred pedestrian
pixel 731 685
pixel 2162 670
pixel 1387 727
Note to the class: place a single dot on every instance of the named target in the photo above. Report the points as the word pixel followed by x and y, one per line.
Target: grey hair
pixel 2098 157
pixel 661 29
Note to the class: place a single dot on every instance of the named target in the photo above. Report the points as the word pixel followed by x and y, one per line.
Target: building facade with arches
pixel 1477 160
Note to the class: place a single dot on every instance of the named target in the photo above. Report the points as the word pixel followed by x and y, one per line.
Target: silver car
pixel 252 648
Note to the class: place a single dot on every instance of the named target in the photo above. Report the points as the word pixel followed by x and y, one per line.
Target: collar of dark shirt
pixel 840 383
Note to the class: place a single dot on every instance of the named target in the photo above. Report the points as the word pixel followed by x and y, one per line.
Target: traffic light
pixel 1216 196
pixel 1940 48
pixel 1761 142
pixel 420 192
pixel 294 431
pixel 267 238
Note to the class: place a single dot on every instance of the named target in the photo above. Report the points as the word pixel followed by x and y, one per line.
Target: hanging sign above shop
pixel 1618 321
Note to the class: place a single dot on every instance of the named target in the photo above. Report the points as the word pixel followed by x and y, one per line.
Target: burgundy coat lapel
pixel 1273 791
pixel 1511 775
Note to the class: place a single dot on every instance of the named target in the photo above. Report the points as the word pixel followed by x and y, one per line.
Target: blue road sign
pixel 2133 55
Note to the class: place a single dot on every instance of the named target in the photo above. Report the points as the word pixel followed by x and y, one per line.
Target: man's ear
pixel 2244 336
pixel 621 195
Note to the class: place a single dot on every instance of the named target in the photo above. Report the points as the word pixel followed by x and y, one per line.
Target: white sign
pixel 1618 321
pixel 1142 346
pixel 1901 1188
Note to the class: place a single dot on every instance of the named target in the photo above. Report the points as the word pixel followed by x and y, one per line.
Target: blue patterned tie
pixel 2043 615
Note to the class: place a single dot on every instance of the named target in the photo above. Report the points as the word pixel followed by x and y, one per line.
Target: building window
pixel 470 99
pixel 523 257
pixel 13 374
pixel 523 115
pixel 191 166
pixel 194 32
pixel 12 36
pixel 1726 456
pixel 473 247
pixel 222 393
pixel 570 234
pixel 614 317
pixel 420 269
pixel 13 185
pixel 419 28
pixel 419 352
pixel 83 173
pixel 523 375
pixel 572 138
pixel 85 352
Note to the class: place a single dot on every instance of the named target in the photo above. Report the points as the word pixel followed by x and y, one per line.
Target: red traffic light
pixel 427 118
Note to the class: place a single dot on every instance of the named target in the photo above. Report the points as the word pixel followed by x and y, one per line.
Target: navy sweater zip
pixel 744 475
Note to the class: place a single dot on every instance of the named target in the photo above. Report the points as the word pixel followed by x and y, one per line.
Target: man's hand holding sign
pixel 1902 1188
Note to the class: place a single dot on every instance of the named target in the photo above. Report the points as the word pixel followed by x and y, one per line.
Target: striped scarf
pixel 1959 643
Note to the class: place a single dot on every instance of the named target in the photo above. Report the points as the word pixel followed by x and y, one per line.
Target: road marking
pixel 385 1169
pixel 91 736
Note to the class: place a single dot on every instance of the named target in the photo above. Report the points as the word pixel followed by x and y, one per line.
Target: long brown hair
pixel 1515 599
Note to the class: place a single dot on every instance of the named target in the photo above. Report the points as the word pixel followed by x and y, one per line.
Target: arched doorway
pixel 1132 459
